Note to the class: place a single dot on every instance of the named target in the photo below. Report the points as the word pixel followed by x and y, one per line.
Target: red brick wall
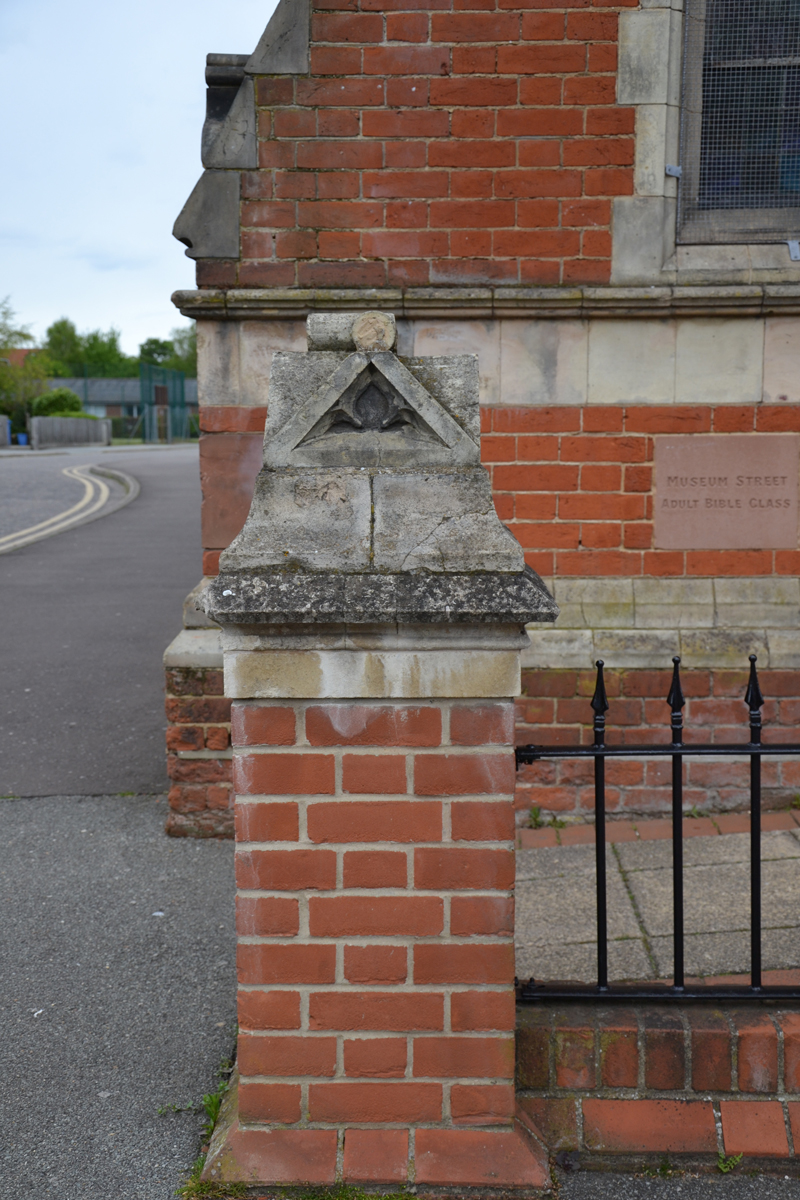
pixel 575 486
pixel 638 1081
pixel 442 142
pixel 554 709
pixel 198 746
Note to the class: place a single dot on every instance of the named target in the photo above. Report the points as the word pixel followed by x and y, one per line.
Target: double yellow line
pixel 95 495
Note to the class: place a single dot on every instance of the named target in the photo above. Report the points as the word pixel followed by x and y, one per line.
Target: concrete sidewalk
pixel 118 996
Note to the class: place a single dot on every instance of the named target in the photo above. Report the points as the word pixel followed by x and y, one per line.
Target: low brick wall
pixel 631 1082
pixel 199 756
pixel 554 709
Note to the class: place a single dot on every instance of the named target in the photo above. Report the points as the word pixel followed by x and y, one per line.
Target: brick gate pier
pixel 372 611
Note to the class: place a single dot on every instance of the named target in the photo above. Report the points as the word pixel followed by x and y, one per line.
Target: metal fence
pixel 676 750
pixel 165 415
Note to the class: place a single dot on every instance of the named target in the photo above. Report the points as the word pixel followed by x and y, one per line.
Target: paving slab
pixel 556 908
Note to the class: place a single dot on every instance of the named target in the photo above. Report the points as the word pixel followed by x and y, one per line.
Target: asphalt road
pixel 33 488
pixel 590 1186
pixel 86 616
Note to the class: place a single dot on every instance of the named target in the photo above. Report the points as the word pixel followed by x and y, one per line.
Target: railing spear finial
pixel 676 702
pixel 599 705
pixel 754 700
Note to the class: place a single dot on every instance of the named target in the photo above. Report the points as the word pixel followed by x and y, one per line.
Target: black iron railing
pixel 677 750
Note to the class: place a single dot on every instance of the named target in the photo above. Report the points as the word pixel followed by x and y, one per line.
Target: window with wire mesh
pixel 740 122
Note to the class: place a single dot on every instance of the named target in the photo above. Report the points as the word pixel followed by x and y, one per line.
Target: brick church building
pixel 602 201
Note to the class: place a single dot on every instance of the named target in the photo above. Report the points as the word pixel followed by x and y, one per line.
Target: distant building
pixel 17 357
pixel 116 397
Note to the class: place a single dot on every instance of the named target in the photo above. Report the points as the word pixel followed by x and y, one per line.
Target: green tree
pixel 104 357
pixel 96 354
pixel 157 351
pixel 59 402
pixel 64 349
pixel 184 354
pixel 12 336
pixel 21 382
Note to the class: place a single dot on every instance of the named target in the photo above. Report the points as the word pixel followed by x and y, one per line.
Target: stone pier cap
pixel 372 507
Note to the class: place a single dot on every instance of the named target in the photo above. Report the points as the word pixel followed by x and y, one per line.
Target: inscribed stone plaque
pixel 727 491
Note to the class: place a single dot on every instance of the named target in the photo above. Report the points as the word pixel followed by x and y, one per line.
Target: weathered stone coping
pixel 302 598
pixel 259 304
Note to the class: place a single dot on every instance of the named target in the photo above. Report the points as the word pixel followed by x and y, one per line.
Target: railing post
pixel 600 708
pixel 676 702
pixel 754 700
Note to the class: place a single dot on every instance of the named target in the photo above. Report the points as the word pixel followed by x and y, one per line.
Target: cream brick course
pixel 609 590
pixel 781 361
pixel 258 341
pixel 543 362
pixel 352 674
pixel 709 622
pixel 772 590
pixel 465 337
pixel 636 648
pixel 682 616
pixel 558 648
pixel 721 647
pixel 631 362
pixel 784 648
pixel 570 616
pixel 608 616
pixel 528 362
pixel 649 591
pixel 218 362
pixel 769 616
pixel 715 357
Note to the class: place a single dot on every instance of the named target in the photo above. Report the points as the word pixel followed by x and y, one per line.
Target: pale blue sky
pixel 103 104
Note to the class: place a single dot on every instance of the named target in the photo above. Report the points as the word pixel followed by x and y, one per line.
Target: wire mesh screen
pixel 740 133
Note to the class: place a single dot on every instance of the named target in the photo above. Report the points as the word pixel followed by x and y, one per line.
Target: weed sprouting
pixel 194 1188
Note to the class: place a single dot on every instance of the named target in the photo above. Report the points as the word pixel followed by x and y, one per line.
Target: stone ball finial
pixel 374 331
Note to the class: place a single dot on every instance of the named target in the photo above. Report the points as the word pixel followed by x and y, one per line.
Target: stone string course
pixel 624 1081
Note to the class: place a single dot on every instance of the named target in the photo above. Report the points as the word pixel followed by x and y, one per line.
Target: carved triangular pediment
pixel 372 404
pixel 371 411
